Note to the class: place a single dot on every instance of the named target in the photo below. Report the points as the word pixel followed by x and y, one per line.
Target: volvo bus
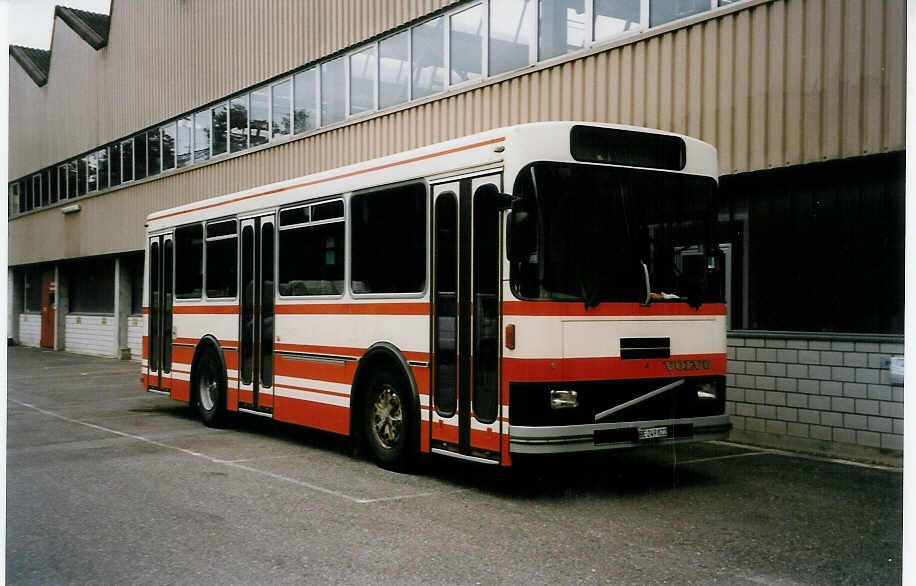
pixel 535 289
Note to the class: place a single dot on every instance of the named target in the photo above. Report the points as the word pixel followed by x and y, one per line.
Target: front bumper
pixel 610 436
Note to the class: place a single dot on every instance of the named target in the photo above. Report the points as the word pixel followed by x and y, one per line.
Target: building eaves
pixel 91 26
pixel 35 62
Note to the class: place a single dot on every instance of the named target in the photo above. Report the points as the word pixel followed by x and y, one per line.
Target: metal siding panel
pixel 872 77
pixel 759 87
pixel 776 94
pixel 833 78
pixel 813 80
pixel 666 89
pixel 792 122
pixel 679 94
pixel 626 85
pixel 740 119
pixel 652 74
pixel 895 76
pixel 725 97
pixel 639 84
pixel 710 89
pixel 695 80
pixel 851 130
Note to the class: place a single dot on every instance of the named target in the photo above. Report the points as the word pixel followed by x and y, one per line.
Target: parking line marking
pixel 729 456
pixel 230 463
pixel 809 457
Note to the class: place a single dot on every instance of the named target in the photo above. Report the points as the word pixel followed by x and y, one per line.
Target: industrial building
pixel 167 102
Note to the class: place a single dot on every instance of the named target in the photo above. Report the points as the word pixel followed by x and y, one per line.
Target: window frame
pixel 310 224
pixel 203 261
pixel 348 210
pixel 365 47
pixel 207 239
pixel 174 162
pixel 484 45
pixel 129 142
pixel 270 121
pixel 36 191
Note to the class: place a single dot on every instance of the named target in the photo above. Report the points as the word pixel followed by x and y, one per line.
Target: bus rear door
pixel 160 274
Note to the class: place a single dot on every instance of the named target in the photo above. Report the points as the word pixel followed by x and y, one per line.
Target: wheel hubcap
pixel 387 418
pixel 208 391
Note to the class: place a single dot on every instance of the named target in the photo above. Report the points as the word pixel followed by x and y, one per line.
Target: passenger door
pixel 256 316
pixel 160 275
pixel 465 403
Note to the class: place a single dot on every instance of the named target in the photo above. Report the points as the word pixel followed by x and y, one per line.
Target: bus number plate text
pixel 646 433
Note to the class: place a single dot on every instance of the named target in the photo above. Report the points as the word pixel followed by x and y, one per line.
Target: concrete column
pixel 14 304
pixel 122 308
pixel 62 296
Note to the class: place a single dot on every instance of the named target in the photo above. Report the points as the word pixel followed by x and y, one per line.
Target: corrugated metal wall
pixel 776 83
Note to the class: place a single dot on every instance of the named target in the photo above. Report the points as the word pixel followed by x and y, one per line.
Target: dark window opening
pixel 222 259
pixel 389 240
pixel 220 129
pixel 32 283
pixel 140 156
pixel 115 172
pixel 169 132
pixel 91 286
pixel 189 248
pixel 154 158
pixel 312 250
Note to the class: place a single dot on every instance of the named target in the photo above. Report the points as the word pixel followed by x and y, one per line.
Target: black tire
pixel 209 392
pixel 389 423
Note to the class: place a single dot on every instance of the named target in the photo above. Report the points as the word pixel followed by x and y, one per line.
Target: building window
pixel 82 175
pixel 72 179
pixel 281 108
pixel 258 130
pixel 466 45
pixel 62 182
pixel 183 142
pixel 662 11
pixel 140 156
pixel 36 190
pixel 388 260
pixel 115 172
pixel 394 70
pixel 427 64
pixel 363 70
pixel 32 292
pixel 92 177
pixel 133 265
pixel 15 203
pixel 202 135
pixel 153 154
pixel 189 249
pixel 51 176
pixel 91 286
pixel 238 124
pixel 333 91
pixel 305 92
pixel 312 249
pixel 222 259
pixel 219 116
pixel 614 18
pixel 511 26
pixel 168 134
pixel 102 157
pixel 562 27
pixel 127 161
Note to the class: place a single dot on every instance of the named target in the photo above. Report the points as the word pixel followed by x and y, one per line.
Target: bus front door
pixel 465 414
pixel 256 317
pixel 160 272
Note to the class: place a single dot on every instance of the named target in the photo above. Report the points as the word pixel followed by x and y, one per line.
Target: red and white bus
pixel 541 288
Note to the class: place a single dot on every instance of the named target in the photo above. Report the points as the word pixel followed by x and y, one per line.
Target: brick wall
pixel 825 396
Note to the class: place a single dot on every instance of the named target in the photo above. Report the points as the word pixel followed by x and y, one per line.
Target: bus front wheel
pixel 388 422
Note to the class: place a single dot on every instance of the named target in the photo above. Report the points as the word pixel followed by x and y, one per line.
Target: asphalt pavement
pixel 108 484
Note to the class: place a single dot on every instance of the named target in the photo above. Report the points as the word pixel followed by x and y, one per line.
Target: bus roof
pixel 510 147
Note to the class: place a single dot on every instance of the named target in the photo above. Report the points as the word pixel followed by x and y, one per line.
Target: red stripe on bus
pixel 611 368
pixel 341 351
pixel 312 390
pixel 205 309
pixel 334 178
pixel 354 309
pixel 318 415
pixel 578 309
pixel 332 373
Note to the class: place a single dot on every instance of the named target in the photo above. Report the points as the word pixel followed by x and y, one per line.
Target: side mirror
pixel 522 235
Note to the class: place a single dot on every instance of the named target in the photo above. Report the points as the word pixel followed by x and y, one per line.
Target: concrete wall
pixel 819 395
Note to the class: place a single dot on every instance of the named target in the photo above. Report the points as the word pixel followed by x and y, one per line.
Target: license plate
pixel 645 433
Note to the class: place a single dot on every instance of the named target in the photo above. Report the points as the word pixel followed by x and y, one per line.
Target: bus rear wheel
pixel 388 421
pixel 210 390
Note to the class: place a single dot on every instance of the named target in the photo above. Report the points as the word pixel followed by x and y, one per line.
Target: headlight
pixel 706 391
pixel 563 399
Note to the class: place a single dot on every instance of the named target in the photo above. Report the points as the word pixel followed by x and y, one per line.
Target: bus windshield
pixel 605 233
